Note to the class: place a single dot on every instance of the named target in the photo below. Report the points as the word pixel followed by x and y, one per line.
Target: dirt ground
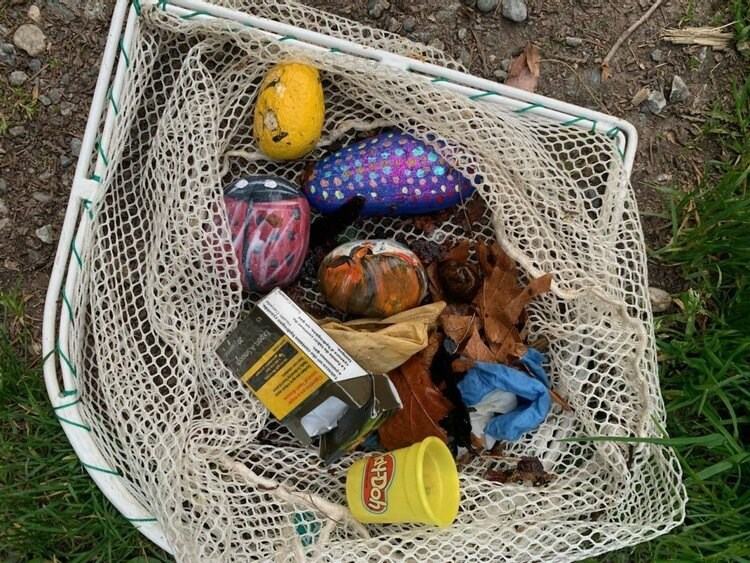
pixel 42 119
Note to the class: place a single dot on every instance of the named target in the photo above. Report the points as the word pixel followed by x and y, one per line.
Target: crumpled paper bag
pixel 381 345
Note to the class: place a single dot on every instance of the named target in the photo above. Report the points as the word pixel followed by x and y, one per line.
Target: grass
pixel 52 510
pixel 49 506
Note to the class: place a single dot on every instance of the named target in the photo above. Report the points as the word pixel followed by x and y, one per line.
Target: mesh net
pixel 225 480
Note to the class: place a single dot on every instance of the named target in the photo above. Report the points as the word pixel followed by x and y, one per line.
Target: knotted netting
pixel 227 482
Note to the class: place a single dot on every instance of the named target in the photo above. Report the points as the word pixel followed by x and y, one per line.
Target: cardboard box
pixel 305 379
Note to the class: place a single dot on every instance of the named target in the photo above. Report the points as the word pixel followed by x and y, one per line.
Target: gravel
pixel 42 197
pixel 66 109
pixel 31 39
pixel 465 57
pixel 3 209
pixel 56 95
pixel 656 102
pixel 573 41
pixel 65 160
pixel 375 8
pixel 505 64
pixel 487 6
pixel 500 75
pixel 17 131
pixel 657 56
pixel 680 92
pixel 393 25
pixel 409 24
pixel 7 54
pixel 17 78
pixel 515 10
pixel 35 65
pixel 444 16
pixel 436 43
pixel 75 147
pixel 46 234
pixel 661 301
pixel 44 100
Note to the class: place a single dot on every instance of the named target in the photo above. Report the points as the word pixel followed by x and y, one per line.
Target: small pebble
pixel 656 102
pixel 657 56
pixel 680 91
pixel 65 80
pixel 573 41
pixel 703 54
pixel 66 109
pixel 3 209
pixel 6 224
pixel 35 65
pixel 444 16
pixel 65 160
pixel 505 64
pixel 45 176
pixel 75 147
pixel 465 57
pixel 42 197
pixel 17 131
pixel 410 24
pixel 11 264
pixel 515 10
pixel 500 75
pixel 487 6
pixel 660 299
pixel 17 78
pixel 743 48
pixel 462 33
pixel 375 8
pixel 664 178
pixel 436 44
pixel 393 25
pixel 34 14
pixel 44 100
pixel 56 94
pixel 30 38
pixel 7 54
pixel 46 234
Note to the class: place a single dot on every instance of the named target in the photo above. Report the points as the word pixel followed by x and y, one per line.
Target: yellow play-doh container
pixel 418 485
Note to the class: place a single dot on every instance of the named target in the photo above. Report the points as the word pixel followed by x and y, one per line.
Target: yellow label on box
pixel 284 377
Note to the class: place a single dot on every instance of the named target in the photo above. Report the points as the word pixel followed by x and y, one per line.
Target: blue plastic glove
pixel 529 414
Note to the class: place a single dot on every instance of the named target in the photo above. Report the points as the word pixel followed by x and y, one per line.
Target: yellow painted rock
pixel 289 112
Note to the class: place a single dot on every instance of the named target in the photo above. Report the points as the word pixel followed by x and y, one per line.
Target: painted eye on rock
pixel 372 278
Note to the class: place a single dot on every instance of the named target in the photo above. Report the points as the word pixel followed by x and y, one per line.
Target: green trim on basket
pixel 141 520
pixel 163 4
pixel 593 122
pixel 67 304
pixel 69 392
pixel 73 423
pixel 87 207
pixel 65 359
pixel 101 469
pixel 137 7
pixel 112 100
pixel 66 405
pixel 612 133
pixel 334 50
pixel 483 95
pixel 287 38
pixel 439 79
pixel 528 108
pixel 100 150
pixel 124 53
pixel 74 250
pixel 194 15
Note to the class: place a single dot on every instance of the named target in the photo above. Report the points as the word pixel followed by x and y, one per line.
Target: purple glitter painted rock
pixel 270 225
pixel 396 174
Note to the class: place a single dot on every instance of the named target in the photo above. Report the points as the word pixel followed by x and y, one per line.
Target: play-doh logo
pixel 377 478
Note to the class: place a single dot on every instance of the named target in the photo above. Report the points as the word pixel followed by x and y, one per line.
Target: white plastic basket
pixel 59 371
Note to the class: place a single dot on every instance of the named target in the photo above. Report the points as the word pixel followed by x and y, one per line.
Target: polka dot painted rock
pixel 269 222
pixel 394 172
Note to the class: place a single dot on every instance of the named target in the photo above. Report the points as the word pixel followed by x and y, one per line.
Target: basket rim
pixel 113 77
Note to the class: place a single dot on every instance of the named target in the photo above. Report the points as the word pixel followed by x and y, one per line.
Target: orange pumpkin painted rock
pixel 372 278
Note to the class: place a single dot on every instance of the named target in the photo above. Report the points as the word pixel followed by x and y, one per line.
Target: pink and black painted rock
pixel 395 173
pixel 270 226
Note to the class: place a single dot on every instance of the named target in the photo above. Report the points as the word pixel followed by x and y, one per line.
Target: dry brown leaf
pixel 424 406
pixel 459 253
pixel 492 256
pixel 525 69
pixel 476 349
pixel 436 289
pixel 461 365
pixel 456 327
pixel 528 469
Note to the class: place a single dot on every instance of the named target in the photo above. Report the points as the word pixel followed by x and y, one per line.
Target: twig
pixel 335 513
pixel 480 50
pixel 624 36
